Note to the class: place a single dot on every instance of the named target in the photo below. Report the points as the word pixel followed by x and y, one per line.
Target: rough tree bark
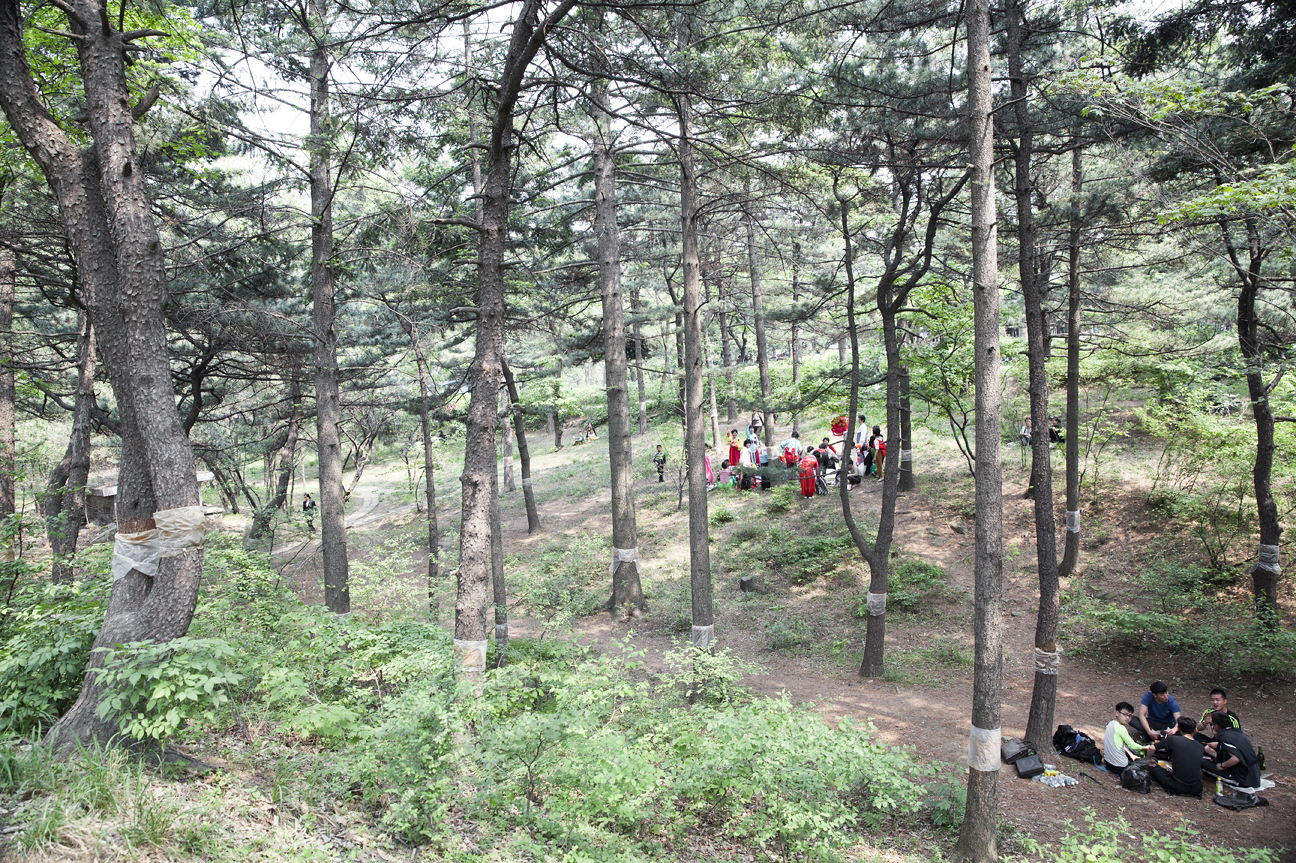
pixel 627 591
pixel 726 353
pixel 328 401
pixel 286 457
pixel 906 482
pixel 639 363
pixel 472 604
pixel 104 204
pixel 976 841
pixel 8 394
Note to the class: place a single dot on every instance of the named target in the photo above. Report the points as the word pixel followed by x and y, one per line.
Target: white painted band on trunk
pixel 983 749
pixel 906 455
pixel 1267 559
pixel 470 656
pixel 501 634
pixel 703 636
pixel 1046 662
pixel 139 551
pixel 620 556
pixel 526 483
pixel 1073 520
pixel 180 529
pixel 876 604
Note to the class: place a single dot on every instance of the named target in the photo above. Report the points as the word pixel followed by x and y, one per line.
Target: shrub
pixel 1100 841
pixel 719 515
pixel 784 634
pixel 48 634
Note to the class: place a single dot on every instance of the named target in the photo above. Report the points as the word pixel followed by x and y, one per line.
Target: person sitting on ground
pixel 1219 703
pixel 1231 756
pixel 827 462
pixel 1025 434
pixel 1157 711
pixel 1057 434
pixel 1184 778
pixel 725 476
pixel 1118 747
pixel 791 449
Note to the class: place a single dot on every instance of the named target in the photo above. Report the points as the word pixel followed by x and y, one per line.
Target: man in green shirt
pixel 1118 746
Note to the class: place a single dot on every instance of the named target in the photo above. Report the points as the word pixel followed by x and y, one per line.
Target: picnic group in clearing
pixel 1154 742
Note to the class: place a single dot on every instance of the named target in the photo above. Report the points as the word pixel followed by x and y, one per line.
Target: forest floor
pixel 925 701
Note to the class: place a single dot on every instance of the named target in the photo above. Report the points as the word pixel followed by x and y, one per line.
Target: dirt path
pixel 934 719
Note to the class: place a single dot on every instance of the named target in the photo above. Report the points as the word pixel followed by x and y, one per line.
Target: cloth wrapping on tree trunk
pixel 620 556
pixel 984 748
pixel 178 530
pixel 471 655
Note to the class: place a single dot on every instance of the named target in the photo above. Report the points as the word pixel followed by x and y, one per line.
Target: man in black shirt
pixel 1219 704
pixel 1184 778
pixel 1231 757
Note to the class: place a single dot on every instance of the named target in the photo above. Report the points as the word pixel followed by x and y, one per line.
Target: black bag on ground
pixel 1076 744
pixel 1029 766
pixel 1240 800
pixel 1012 750
pixel 1135 778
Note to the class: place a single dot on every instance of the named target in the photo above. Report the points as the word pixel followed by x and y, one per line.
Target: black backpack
pixel 1135 778
pixel 1076 744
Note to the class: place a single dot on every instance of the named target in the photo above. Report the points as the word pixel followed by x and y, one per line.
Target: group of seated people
pixel 1214 745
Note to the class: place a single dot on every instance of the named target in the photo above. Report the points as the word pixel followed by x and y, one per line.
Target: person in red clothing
pixel 734 447
pixel 809 470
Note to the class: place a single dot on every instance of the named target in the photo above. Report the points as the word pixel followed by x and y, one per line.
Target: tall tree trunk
pixel 103 200
pixel 1071 551
pixel 627 592
pixel 65 501
pixel 758 312
pixel 703 632
pixel 557 414
pixel 794 348
pixel 1034 285
pixel 429 468
pixel 1268 568
pixel 473 601
pixel 976 841
pixel 8 393
pixel 328 401
pixel 524 452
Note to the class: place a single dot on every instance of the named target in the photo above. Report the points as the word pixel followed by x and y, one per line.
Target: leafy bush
pixel 802 557
pixel 153 689
pixel 783 498
pixel 719 515
pixel 48 634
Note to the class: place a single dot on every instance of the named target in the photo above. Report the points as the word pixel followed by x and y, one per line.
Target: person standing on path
pixel 659 459
pixel 308 510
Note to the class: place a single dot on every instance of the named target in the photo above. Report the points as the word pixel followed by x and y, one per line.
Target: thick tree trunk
pixel 524 452
pixel 328 402
pixel 627 592
pixel 758 312
pixel 104 203
pixel 977 840
pixel 703 632
pixel 1071 551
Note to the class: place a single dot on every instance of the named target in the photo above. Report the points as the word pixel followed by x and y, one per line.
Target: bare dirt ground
pixel 934 719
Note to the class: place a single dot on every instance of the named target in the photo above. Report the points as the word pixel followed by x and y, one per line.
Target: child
pixel 725 476
pixel 659 459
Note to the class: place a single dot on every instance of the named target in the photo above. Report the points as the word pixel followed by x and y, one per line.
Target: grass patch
pixel 924 665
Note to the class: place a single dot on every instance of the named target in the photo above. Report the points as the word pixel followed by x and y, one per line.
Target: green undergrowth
pixel 1115 841
pixel 1180 609
pixel 800 551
